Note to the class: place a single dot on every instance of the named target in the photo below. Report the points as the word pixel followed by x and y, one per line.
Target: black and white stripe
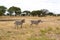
pixel 36 22
pixel 19 22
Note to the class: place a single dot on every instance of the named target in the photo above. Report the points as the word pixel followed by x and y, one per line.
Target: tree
pixel 27 12
pixel 44 12
pixel 33 13
pixel 58 14
pixel 39 13
pixel 12 9
pixel 51 14
pixel 2 10
pixel 36 13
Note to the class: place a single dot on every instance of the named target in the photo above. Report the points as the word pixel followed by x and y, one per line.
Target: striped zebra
pixel 36 22
pixel 17 22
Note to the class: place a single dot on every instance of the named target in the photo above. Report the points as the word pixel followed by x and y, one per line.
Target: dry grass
pixel 48 30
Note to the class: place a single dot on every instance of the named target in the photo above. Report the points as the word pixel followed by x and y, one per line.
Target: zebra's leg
pixel 21 25
pixel 16 26
pixel 31 25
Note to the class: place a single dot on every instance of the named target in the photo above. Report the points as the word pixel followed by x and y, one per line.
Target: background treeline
pixel 16 11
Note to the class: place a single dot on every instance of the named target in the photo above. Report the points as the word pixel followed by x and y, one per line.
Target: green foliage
pixel 17 11
pixel 36 13
pixel 12 9
pixel 33 13
pixel 51 14
pixel 2 10
pixel 44 12
pixel 39 13
pixel 27 12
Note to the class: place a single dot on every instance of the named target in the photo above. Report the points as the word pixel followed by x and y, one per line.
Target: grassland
pixel 47 30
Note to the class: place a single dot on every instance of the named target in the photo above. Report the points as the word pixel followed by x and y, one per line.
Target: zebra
pixel 36 22
pixel 17 22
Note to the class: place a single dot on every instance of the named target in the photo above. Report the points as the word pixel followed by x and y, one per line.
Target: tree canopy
pixel 2 10
pixel 17 11
pixel 12 9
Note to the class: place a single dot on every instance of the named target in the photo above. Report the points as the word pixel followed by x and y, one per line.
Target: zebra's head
pixel 39 21
pixel 23 20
